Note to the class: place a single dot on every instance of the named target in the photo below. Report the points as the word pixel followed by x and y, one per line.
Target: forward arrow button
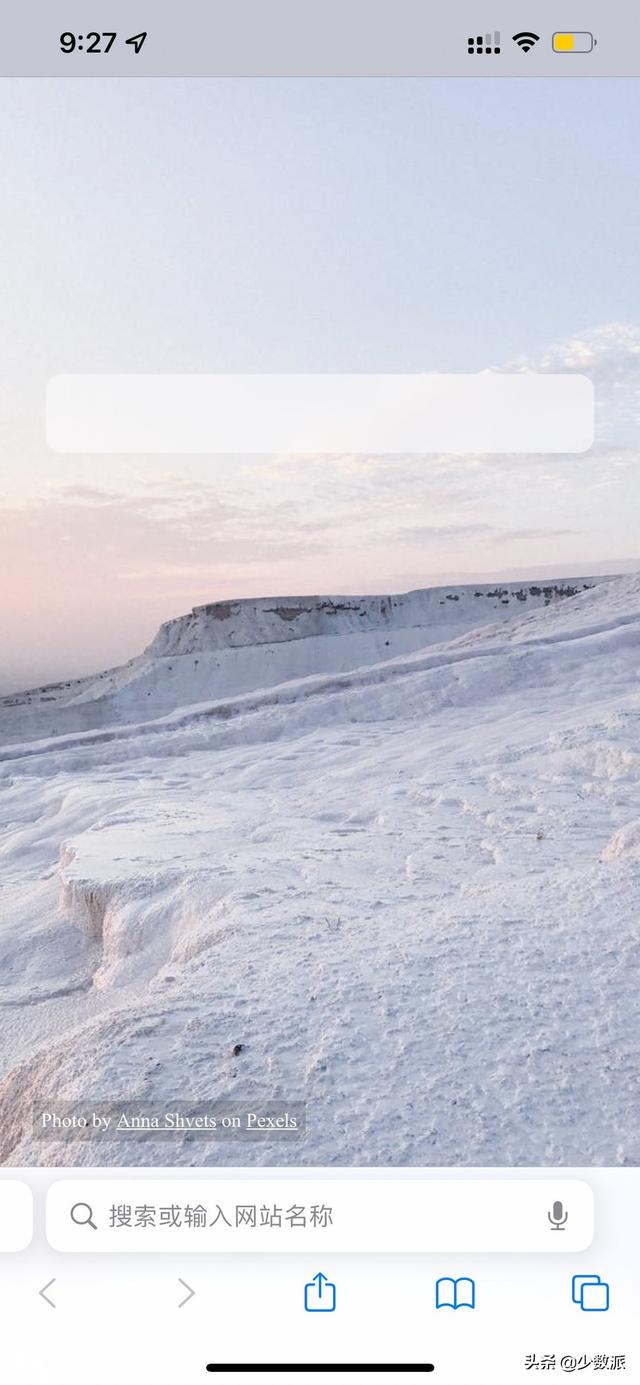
pixel 190 1292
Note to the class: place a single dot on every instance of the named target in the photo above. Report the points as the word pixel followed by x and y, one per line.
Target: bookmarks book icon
pixel 455 1293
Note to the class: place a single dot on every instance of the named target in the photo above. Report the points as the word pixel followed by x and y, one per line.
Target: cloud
pixel 610 351
pixel 444 533
pixel 610 356
pixel 87 495
pixel 92 534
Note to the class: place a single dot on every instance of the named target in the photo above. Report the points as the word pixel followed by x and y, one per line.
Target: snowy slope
pixel 410 891
pixel 236 646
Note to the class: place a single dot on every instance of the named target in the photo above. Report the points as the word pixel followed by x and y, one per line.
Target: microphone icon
pixel 558 1217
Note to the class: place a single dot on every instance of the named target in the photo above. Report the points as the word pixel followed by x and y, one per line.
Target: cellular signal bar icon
pixel 484 43
pixel 526 41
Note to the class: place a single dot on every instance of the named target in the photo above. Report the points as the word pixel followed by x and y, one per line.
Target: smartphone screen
pixel 319 692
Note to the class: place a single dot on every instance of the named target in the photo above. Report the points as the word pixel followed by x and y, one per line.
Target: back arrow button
pixel 43 1294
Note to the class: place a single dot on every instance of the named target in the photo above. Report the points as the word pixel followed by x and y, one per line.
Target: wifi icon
pixel 526 41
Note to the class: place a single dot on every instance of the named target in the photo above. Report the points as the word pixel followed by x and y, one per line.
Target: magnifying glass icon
pixel 82 1214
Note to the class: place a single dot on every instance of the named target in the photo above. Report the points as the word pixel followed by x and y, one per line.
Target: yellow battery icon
pixel 580 42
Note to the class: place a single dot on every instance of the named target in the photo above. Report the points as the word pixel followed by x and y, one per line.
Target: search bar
pixel 16 1215
pixel 491 411
pixel 275 1215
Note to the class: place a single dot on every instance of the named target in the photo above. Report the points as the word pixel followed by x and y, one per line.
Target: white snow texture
pixel 379 854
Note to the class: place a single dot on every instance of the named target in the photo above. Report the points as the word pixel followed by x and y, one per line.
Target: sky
pixel 298 225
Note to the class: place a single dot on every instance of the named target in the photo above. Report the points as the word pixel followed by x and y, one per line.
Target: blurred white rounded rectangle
pixel 385 1215
pixel 489 412
pixel 16 1215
